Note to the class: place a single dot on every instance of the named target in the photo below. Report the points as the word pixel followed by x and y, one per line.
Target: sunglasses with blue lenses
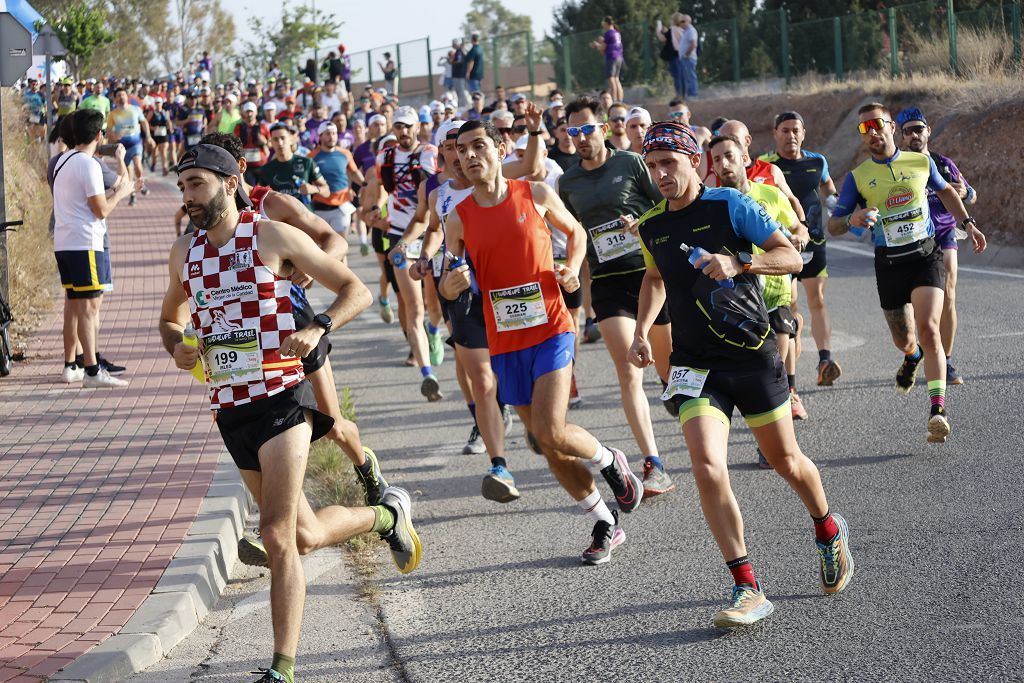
pixel 585 129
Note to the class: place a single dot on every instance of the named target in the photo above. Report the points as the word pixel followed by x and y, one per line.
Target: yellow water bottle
pixel 190 338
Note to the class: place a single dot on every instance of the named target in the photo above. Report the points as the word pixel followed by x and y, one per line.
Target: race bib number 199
pixel 233 357
pixel 685 381
pixel 518 308
pixel 611 240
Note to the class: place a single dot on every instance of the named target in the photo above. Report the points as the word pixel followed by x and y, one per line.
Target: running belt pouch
pixel 737 315
pixel 908 253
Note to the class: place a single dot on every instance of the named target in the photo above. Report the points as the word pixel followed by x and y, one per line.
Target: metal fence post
pixel 837 43
pixel 648 66
pixel 494 58
pixel 529 62
pixel 894 55
pixel 951 26
pixel 1015 29
pixel 430 71
pixel 398 67
pixel 784 40
pixel 369 67
pixel 567 63
pixel 734 40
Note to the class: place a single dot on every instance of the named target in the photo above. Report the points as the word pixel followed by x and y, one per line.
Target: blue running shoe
pixel 499 486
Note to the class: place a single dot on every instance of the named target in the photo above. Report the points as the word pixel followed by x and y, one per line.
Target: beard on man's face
pixel 205 216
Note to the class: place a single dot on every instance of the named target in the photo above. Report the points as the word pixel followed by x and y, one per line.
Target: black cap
pixel 788 116
pixel 216 159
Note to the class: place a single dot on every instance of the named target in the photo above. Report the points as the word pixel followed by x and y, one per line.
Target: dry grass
pixel 988 76
pixel 332 481
pixel 33 271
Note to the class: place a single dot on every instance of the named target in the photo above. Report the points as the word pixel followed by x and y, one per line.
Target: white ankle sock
pixel 594 507
pixel 601 459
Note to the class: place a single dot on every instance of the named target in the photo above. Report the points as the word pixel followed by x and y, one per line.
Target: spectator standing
pixel 458 59
pixel 81 207
pixel 239 72
pixel 333 67
pixel 688 45
pixel 670 37
pixel 610 43
pixel 309 71
pixel 390 71
pixel 475 64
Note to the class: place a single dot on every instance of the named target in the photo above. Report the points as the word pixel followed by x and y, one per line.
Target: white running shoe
pixel 72 374
pixel 102 380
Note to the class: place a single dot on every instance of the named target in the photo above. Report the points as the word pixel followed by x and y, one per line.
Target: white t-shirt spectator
pixel 76 228
pixel 332 103
pixel 689 38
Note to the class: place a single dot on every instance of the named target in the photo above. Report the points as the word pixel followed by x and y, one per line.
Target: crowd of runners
pixel 512 232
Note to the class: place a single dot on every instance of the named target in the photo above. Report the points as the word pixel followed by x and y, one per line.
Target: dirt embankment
pixel 985 144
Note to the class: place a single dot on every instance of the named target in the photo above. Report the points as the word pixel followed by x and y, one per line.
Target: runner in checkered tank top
pixel 230 279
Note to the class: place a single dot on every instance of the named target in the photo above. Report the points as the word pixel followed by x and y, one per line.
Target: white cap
pixel 248 106
pixel 269 105
pixel 390 137
pixel 179 99
pixel 555 104
pixel 502 115
pixel 382 91
pixel 447 127
pixel 326 126
pixel 406 115
pixel 450 106
pixel 377 118
pixel 522 142
pixel 639 113
pixel 517 96
pixel 437 106
pixel 231 98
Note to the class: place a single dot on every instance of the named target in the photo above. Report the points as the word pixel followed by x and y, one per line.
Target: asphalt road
pixel 936 531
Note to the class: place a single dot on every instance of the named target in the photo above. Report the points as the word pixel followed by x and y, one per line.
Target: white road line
pixel 1018 333
pixel 859 251
pixel 313 566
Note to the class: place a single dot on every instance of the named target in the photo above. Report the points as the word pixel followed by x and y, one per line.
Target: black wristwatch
pixel 745 259
pixel 324 321
pixel 968 221
pixel 536 132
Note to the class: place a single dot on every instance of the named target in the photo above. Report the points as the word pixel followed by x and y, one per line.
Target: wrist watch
pixel 536 132
pixel 968 221
pixel 745 259
pixel 324 321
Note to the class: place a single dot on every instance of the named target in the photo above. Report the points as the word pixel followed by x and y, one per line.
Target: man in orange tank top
pixel 236 266
pixel 501 229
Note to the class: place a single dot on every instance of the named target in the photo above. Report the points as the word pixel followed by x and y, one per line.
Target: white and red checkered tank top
pixel 241 312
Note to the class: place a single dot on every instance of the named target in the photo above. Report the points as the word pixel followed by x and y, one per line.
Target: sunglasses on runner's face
pixel 505 131
pixel 677 114
pixel 872 124
pixel 913 130
pixel 617 119
pixel 585 129
pixel 518 129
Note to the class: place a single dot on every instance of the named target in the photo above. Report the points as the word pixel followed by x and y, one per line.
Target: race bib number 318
pixel 611 240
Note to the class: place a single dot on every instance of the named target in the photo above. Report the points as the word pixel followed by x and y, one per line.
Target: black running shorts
pixel 468 328
pixel 618 296
pixel 896 282
pixel 247 427
pixel 782 321
pixel 818 265
pixel 762 396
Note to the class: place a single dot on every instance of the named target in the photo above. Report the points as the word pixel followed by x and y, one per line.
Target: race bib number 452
pixel 611 240
pixel 518 308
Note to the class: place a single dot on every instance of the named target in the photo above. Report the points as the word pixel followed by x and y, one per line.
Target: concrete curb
pixel 190 587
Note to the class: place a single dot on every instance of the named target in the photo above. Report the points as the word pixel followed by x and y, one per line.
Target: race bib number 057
pixel 685 381
pixel 518 308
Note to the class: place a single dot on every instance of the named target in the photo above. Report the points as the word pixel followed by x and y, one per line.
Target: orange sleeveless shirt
pixel 509 246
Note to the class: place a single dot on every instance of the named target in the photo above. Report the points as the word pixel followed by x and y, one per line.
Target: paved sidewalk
pixel 98 487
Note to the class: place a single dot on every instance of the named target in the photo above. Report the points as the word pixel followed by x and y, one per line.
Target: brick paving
pixel 98 487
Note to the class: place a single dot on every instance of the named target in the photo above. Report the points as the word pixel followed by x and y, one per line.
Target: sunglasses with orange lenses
pixel 872 124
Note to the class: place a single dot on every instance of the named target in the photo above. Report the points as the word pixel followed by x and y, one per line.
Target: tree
pixel 300 30
pixel 490 18
pixel 201 23
pixel 82 30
